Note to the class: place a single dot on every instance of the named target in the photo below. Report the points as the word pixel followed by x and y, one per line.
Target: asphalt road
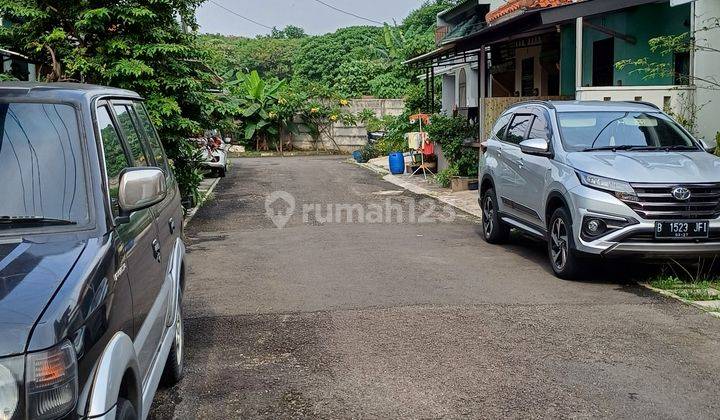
pixel 329 319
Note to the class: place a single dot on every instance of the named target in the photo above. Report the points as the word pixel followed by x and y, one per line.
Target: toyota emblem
pixel 681 193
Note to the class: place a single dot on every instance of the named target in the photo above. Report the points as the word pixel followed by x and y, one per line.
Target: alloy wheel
pixel 488 213
pixel 559 244
pixel 179 337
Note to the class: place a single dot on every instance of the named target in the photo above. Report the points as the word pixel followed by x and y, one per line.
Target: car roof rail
pixel 650 104
pixel 548 104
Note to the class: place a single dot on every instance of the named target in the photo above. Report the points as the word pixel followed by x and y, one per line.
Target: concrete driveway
pixel 329 319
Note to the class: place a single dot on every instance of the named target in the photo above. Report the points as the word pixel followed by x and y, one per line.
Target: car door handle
pixel 171 225
pixel 156 249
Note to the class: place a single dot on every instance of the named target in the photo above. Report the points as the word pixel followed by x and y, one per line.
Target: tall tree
pixel 143 45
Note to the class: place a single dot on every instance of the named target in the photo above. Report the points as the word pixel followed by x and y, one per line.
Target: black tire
pixel 175 365
pixel 222 172
pixel 125 410
pixel 565 262
pixel 494 230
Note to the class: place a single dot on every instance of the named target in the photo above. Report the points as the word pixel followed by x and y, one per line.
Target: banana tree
pixel 257 99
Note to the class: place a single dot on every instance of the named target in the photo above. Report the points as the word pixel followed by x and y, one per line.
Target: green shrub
pixel 450 133
pixel 444 177
pixel 369 152
pixel 186 167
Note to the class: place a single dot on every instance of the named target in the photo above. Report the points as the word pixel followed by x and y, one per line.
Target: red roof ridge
pixel 521 5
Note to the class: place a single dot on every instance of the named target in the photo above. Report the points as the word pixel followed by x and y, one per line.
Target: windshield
pixel 41 170
pixel 582 131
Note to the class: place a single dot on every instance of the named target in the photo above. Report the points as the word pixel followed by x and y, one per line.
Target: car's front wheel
pixel 175 365
pixel 564 261
pixel 493 229
pixel 125 410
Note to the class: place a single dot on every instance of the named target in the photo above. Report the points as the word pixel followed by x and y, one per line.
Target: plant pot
pixel 460 183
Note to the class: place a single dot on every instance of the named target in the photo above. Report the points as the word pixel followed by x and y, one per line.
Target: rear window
pixel 41 165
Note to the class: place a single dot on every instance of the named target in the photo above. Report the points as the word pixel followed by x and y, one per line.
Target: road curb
pixel 672 295
pixel 191 213
pixel 396 180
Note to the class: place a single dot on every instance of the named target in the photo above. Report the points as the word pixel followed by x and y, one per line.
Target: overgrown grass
pixel 698 290
pixel 696 294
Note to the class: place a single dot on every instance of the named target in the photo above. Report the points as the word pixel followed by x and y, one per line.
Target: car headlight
pixel 50 388
pixel 620 189
pixel 51 382
pixel 11 374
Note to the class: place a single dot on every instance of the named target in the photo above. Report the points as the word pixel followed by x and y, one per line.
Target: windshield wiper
pixel 678 147
pixel 619 147
pixel 10 221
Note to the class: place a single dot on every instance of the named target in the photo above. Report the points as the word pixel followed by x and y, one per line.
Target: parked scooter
pixel 214 151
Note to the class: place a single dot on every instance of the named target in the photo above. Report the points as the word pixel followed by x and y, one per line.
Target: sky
pixel 312 16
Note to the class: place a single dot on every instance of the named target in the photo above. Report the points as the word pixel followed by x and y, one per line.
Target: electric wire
pixel 348 13
pixel 239 15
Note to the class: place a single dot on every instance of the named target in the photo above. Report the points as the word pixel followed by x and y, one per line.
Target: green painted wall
pixel 643 22
pixel 567 60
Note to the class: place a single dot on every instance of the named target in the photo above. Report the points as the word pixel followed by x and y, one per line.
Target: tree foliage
pixel 350 62
pixel 134 44
pixel 271 56
pixel 319 58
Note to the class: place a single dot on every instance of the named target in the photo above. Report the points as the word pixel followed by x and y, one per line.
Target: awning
pixel 531 22
pixel 12 54
pixel 589 8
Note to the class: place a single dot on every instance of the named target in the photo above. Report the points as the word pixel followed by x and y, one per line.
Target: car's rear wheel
pixel 125 410
pixel 494 230
pixel 565 262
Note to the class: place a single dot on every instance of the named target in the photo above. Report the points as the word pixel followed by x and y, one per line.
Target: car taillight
pixel 51 382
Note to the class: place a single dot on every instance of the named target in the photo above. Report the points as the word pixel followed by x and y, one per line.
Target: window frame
pixel 128 156
pixel 520 113
pixel 149 156
pixel 165 164
pixel 504 130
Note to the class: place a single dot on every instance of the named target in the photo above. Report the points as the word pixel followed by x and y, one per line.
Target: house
pixel 16 64
pixel 460 77
pixel 565 49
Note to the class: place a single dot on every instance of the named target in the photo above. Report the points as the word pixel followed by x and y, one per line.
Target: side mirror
pixel 708 146
pixel 140 188
pixel 538 147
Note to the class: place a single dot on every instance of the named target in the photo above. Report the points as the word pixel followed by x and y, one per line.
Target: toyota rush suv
pixel 91 256
pixel 600 179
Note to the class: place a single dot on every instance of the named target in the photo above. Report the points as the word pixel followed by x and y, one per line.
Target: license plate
pixel 682 229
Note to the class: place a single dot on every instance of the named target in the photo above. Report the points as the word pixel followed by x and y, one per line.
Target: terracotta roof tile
pixel 513 6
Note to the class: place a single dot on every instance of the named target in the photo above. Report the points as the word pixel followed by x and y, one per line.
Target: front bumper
pixel 636 239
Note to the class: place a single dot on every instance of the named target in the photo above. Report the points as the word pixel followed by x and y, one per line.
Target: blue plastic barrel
pixel 396 162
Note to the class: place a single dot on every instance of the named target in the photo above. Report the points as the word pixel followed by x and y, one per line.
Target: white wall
pixel 707 66
pixel 349 137
pixel 448 93
pixel 472 87
pixel 673 97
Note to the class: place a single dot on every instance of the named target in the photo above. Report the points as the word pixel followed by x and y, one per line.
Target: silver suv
pixel 600 179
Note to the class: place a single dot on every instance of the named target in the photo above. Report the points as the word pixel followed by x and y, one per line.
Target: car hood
pixel 649 167
pixel 30 274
